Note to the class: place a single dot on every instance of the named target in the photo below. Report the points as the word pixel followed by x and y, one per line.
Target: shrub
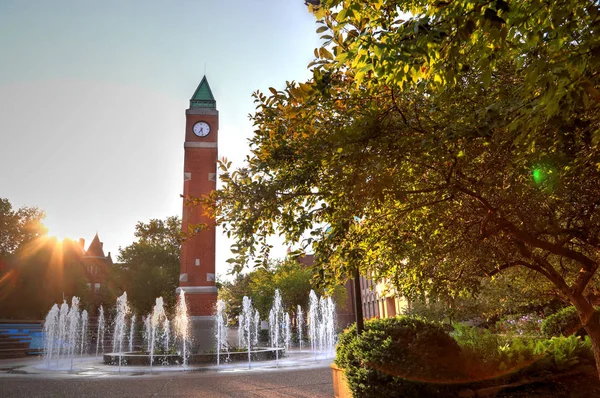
pixel 566 352
pixel 520 324
pixel 487 354
pixel 479 344
pixel 565 322
pixel 396 356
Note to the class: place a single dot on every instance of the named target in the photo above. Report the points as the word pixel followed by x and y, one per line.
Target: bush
pixel 565 322
pixel 520 324
pixel 396 356
pixel 480 345
pixel 487 354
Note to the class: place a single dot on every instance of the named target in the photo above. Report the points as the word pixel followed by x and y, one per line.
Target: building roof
pixel 203 97
pixel 95 249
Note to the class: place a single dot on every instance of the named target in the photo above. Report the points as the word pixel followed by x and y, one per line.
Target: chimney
pixel 82 243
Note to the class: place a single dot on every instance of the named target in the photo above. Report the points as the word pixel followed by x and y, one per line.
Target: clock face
pixel 201 129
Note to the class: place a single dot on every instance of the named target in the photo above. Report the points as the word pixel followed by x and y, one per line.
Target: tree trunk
pixel 590 319
pixel 360 325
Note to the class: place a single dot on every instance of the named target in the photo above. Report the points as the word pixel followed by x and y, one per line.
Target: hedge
pixel 401 356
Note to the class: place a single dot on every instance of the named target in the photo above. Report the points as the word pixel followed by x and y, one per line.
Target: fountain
pixel 275 318
pixel 158 316
pixel 288 331
pixel 182 326
pixel 120 325
pixel 100 335
pixel 84 324
pixel 299 323
pixel 168 339
pixel 221 330
pixel 321 325
pixel 247 318
pixel 256 326
pixel 51 328
pixel 131 332
pixel 147 331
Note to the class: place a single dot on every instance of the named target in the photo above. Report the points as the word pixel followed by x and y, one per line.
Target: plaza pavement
pixel 296 376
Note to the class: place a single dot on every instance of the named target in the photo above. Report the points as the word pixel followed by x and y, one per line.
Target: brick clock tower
pixel 197 275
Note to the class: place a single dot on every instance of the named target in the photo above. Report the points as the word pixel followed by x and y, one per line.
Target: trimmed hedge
pixel 565 322
pixel 399 357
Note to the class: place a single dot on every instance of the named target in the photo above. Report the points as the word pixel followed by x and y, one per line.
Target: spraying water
pixel 120 326
pixel 288 331
pixel 275 322
pixel 221 329
pixel 73 318
pixel 100 333
pixel 147 332
pixel 256 326
pixel 300 325
pixel 321 325
pixel 313 320
pixel 84 324
pixel 182 326
pixel 62 329
pixel 247 331
pixel 241 341
pixel 166 334
pixel 51 329
pixel 156 320
pixel 131 332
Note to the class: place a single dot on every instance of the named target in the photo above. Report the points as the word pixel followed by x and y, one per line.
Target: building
pixel 197 266
pixel 97 266
pixel 380 300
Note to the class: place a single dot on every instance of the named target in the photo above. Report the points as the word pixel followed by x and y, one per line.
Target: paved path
pixel 313 382
pixel 294 380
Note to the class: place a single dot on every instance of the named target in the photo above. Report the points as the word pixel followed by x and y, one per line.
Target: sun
pixel 56 233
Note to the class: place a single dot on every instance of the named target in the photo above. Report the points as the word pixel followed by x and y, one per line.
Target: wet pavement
pixel 300 374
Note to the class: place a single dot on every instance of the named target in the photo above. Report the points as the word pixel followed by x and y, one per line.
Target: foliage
pixel 432 46
pixel 563 323
pixel 488 355
pixel 42 272
pixel 528 324
pixel 433 149
pixel 480 344
pixel 392 355
pixel 149 267
pixel 289 276
pixel 507 295
pixel 18 227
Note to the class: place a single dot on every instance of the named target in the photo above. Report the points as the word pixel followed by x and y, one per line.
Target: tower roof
pixel 95 249
pixel 203 97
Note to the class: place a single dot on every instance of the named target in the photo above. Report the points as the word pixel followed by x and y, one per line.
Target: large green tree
pixel 18 227
pixel 434 148
pixel 149 267
pixel 292 278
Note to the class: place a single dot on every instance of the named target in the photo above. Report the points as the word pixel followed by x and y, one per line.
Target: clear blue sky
pixel 93 95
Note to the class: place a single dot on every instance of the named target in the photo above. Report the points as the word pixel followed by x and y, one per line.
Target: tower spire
pixel 203 96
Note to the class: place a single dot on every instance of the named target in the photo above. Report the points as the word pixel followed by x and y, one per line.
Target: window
pixel 96 287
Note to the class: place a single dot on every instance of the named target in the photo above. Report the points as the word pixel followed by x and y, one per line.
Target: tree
pixel 433 151
pixel 18 227
pixel 149 267
pixel 289 276
pixel 40 274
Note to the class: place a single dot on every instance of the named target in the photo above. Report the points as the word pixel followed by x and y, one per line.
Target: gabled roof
pixel 95 249
pixel 203 97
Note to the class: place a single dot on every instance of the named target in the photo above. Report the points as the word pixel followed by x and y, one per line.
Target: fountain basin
pixel 143 359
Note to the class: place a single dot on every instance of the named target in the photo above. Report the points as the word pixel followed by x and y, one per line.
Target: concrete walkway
pixel 298 375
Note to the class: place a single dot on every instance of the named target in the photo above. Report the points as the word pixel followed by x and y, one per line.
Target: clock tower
pixel 197 264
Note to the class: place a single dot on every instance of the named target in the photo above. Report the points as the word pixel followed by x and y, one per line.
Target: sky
pixel 93 97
